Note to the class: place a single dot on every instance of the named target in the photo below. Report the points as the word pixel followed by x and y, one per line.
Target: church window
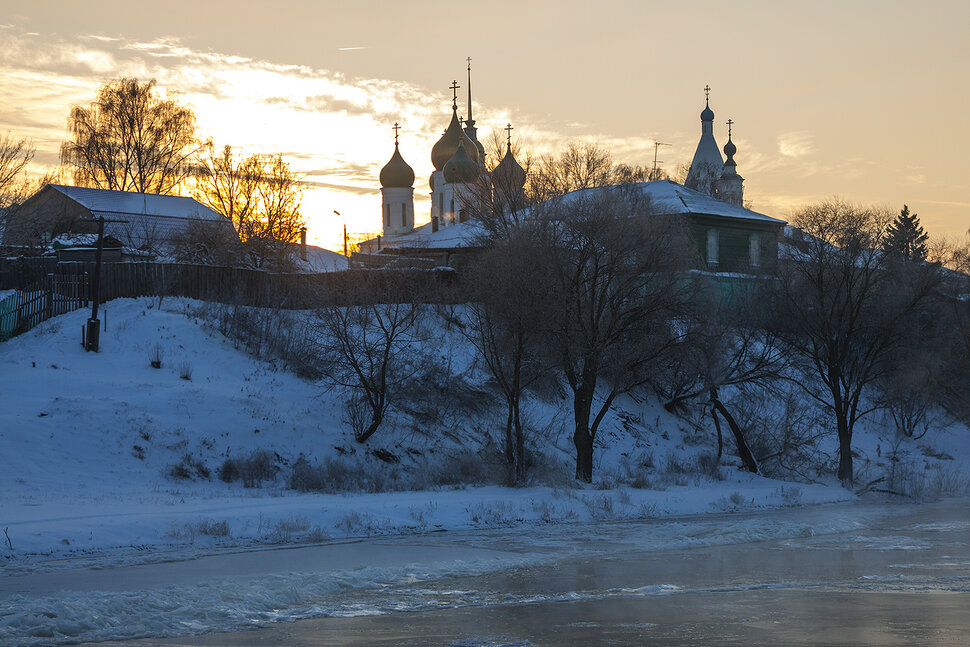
pixel 452 210
pixel 754 250
pixel 712 246
pixel 404 215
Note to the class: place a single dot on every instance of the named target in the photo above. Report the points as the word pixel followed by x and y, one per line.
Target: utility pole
pixel 92 338
pixel 656 148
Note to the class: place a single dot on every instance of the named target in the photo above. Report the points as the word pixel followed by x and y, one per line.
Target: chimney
pixel 434 224
pixel 303 243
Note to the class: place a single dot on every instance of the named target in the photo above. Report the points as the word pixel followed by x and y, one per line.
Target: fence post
pixel 49 310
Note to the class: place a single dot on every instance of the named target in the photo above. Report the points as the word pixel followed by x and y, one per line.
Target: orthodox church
pixel 729 237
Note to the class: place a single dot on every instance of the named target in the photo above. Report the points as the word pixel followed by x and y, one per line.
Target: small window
pixel 712 246
pixel 404 215
pixel 754 250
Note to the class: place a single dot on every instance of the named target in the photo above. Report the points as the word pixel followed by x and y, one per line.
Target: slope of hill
pixel 106 456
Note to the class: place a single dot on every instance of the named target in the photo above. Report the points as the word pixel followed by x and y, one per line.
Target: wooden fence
pixel 55 294
pixel 42 295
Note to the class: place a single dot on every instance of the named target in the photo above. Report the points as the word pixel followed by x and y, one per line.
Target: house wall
pixel 48 213
pixel 734 243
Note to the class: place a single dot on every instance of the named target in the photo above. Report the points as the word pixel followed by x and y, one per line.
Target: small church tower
pixel 729 186
pixel 397 193
pixel 508 178
pixel 707 165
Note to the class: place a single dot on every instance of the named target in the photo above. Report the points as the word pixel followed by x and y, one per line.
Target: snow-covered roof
pixel 106 202
pixel 319 260
pixel 148 217
pixel 668 198
pixel 462 234
pixel 665 198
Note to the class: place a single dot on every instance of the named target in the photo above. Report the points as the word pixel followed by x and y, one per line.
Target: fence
pixel 53 295
pixel 42 295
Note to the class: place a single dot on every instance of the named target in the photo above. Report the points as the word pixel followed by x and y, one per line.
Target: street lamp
pixel 345 232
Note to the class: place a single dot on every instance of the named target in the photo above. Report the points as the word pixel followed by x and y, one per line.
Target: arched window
pixel 404 215
pixel 712 246
pixel 754 250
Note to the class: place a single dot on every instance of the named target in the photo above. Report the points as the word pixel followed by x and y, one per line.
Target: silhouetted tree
pixel 615 294
pixel 366 348
pixel 905 236
pixel 843 309
pixel 131 139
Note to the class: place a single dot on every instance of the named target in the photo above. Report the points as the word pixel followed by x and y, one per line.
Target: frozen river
pixel 828 575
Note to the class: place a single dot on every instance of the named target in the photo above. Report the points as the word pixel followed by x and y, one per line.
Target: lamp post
pixel 345 232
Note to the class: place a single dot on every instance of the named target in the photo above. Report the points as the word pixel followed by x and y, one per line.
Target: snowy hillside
pixel 104 455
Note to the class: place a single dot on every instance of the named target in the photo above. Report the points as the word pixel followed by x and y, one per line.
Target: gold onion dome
pixel 461 167
pixel 397 173
pixel 447 146
pixel 508 174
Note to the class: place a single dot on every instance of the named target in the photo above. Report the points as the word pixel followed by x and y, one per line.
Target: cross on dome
pixel 707 94
pixel 396 128
pixel 730 122
pixel 454 94
pixel 508 130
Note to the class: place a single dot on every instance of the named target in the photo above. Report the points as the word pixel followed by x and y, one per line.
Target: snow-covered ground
pixel 88 443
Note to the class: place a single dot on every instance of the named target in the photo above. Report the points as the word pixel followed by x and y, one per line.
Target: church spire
pixel 470 131
pixel 470 121
pixel 707 165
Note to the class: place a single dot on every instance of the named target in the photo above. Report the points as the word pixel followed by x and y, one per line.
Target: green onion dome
pixel 461 167
pixel 447 146
pixel 397 173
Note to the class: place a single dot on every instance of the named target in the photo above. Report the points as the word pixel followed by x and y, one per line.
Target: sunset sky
pixel 862 100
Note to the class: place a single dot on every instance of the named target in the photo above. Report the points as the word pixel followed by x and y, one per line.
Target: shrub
pixel 155 357
pixel 185 371
pixel 188 469
pixel 252 470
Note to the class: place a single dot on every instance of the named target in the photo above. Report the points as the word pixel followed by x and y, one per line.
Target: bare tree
pixel 15 155
pixel 842 311
pixel 229 186
pixel 616 292
pixel 727 346
pixel 366 348
pixel 505 324
pixel 130 139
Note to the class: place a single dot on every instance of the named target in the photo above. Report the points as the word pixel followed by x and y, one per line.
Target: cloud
pixel 796 143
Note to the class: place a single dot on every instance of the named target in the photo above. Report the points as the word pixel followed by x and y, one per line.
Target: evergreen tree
pixel 905 236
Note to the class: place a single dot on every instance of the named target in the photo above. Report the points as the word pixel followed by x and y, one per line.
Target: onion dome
pixel 729 150
pixel 508 175
pixel 397 173
pixel 448 145
pixel 461 167
pixel 707 114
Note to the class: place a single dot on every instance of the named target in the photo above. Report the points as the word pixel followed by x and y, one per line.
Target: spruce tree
pixel 905 236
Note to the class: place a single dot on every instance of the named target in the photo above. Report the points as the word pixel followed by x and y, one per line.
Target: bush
pixel 188 469
pixel 251 470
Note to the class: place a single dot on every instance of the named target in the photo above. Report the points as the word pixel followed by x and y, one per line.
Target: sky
pixel 855 99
